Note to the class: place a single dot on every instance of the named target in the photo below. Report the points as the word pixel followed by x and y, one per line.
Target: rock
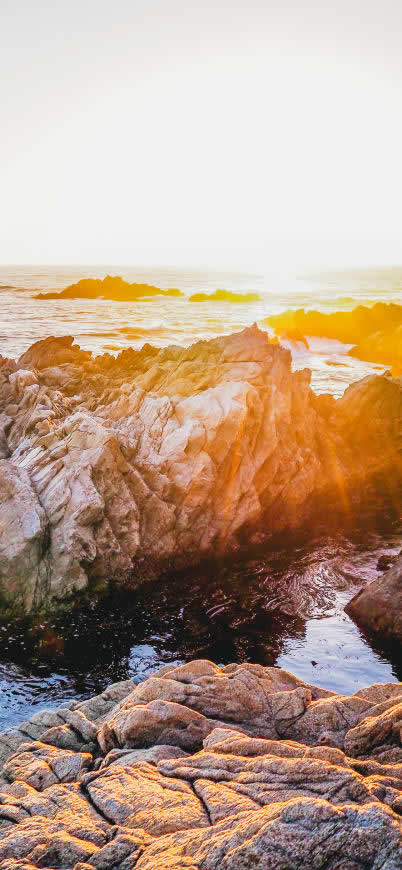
pixel 383 346
pixel 376 331
pixel 23 530
pixel 41 765
pixel 378 606
pixel 239 799
pixel 52 352
pixel 225 296
pixel 111 287
pixel 156 459
pixel 127 757
pixel 386 561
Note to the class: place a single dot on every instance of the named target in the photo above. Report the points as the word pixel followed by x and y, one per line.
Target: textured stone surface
pixel 116 468
pixel 284 775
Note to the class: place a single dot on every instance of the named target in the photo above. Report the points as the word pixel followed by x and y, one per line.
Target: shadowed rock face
pixel 207 767
pixel 115 468
pixel 378 606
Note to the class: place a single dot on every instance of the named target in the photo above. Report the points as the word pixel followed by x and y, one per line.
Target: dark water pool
pixel 282 607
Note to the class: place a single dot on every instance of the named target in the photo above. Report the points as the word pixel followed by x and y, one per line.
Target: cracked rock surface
pixel 113 468
pixel 205 767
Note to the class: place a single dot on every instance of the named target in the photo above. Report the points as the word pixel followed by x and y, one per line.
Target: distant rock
pixel 158 458
pixel 111 287
pixel 383 346
pixel 207 768
pixel 378 606
pixel 225 296
pixel 53 352
pixel 375 331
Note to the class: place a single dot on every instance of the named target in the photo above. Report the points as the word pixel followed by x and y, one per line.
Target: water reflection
pixel 284 606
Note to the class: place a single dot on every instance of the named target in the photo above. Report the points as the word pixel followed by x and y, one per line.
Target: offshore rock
pixel 116 468
pixel 285 775
pixel 111 287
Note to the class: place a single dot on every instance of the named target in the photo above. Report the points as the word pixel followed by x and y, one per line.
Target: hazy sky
pixel 246 133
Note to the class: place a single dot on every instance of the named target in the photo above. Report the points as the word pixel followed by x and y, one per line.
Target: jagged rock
pixel 22 537
pixel 53 352
pixel 378 606
pixel 158 458
pixel 238 800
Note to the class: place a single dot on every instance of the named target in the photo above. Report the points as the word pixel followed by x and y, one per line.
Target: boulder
pixel 378 606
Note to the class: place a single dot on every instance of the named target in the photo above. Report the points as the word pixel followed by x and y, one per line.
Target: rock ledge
pixel 206 768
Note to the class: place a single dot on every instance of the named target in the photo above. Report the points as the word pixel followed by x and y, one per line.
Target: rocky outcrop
pixel 378 606
pixel 207 768
pixel 112 287
pixel 116 468
pixel 225 296
pixel 375 332
pixel 382 346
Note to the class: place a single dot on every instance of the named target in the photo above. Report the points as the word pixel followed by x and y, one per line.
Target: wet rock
pixel 378 606
pixel 41 765
pixel 303 832
pixel 162 722
pixel 127 757
pixel 386 561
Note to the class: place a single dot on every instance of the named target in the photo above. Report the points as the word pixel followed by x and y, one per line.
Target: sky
pixel 241 134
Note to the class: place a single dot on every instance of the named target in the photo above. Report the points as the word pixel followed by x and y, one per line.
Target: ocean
pixel 284 607
pixel 103 326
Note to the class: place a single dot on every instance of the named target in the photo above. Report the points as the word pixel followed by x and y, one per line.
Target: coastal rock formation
pixel 378 606
pixel 112 287
pixel 382 346
pixel 207 768
pixel 375 332
pixel 225 296
pixel 115 468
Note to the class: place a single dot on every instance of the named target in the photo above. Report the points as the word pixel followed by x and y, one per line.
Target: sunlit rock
pixel 157 459
pixel 375 332
pixel 235 799
pixel 225 296
pixel 112 287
